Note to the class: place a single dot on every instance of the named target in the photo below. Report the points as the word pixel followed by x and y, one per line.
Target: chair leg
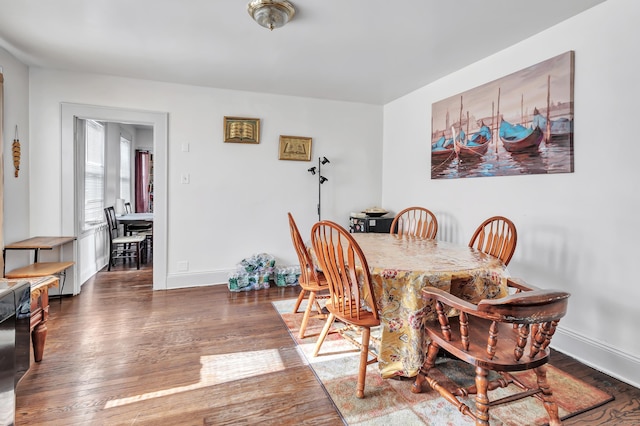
pixel 299 301
pixel 307 314
pixel 323 334
pixel 138 254
pixel 364 355
pixel 482 399
pixel 110 255
pixel 547 396
pixel 428 364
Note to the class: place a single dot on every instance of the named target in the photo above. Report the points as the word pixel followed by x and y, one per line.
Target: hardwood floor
pixel 121 354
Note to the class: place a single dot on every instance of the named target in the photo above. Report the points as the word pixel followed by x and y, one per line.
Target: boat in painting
pixel 560 128
pixel 518 138
pixel 442 149
pixel 476 145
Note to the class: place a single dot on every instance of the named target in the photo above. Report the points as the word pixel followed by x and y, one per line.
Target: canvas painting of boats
pixel 519 124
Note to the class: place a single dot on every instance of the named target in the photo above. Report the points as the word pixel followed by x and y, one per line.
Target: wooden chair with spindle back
pixel 415 221
pixel 351 301
pixel 496 236
pixel 503 335
pixel 312 281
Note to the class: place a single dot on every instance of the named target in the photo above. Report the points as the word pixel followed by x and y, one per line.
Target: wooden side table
pixel 40 269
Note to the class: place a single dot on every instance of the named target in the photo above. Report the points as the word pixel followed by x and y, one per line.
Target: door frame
pixel 159 122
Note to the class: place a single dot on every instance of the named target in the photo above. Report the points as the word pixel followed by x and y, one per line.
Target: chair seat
pixel 503 360
pixel 321 285
pixel 130 239
pixel 135 226
pixel 367 318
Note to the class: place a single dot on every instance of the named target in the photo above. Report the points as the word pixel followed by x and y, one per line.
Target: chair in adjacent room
pixel 125 246
pixel 140 227
pixel 415 221
pixel 496 236
pixel 352 300
pixel 502 335
pixel 312 281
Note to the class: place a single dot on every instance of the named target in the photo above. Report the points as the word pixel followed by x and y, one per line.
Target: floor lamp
pixel 321 179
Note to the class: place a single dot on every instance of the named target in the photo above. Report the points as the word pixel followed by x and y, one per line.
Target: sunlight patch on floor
pixel 217 369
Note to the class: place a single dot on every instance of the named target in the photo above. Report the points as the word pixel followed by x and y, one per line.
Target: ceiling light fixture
pixel 271 13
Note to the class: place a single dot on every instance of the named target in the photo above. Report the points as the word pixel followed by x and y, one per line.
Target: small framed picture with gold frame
pixel 241 130
pixel 294 148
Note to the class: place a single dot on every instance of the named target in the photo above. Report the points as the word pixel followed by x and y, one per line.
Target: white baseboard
pixel 595 354
pixel 184 280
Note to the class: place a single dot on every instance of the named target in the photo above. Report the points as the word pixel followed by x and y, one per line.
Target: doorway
pixel 159 122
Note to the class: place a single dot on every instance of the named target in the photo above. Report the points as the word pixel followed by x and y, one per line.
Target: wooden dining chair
pixel 125 246
pixel 351 301
pixel 312 281
pixel 496 236
pixel 415 221
pixel 502 335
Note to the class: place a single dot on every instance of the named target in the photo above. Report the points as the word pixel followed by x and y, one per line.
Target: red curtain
pixel 143 162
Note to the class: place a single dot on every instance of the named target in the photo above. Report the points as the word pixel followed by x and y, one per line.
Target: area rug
pixel 391 402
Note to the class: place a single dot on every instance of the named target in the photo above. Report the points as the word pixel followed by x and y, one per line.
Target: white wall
pixel 16 190
pixel 239 194
pixel 578 232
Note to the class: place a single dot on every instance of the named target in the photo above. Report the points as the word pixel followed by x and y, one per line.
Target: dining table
pixel 129 218
pixel 134 219
pixel 400 267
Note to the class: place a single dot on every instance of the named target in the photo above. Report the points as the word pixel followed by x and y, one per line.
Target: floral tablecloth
pixel 400 267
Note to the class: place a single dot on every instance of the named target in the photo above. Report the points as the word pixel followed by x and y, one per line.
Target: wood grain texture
pixel 118 342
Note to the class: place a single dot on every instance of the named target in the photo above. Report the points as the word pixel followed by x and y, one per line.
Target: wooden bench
pixel 42 269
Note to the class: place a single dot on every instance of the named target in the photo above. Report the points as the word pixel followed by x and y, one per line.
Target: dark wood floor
pixel 121 354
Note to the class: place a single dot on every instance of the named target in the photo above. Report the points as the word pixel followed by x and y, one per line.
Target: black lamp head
pixel 312 170
pixel 323 179
pixel 325 160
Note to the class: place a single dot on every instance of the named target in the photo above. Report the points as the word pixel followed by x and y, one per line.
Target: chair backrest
pixel 112 222
pixel 308 273
pixel 346 270
pixel 127 208
pixel 496 236
pixel 534 313
pixel 415 221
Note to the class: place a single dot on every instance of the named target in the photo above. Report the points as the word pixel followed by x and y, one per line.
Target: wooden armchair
pixel 351 301
pixel 508 334
pixel 415 221
pixel 311 281
pixel 496 236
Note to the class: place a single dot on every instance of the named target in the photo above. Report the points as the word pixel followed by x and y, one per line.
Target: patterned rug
pixel 391 402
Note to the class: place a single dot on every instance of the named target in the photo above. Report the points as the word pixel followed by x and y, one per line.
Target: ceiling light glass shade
pixel 271 13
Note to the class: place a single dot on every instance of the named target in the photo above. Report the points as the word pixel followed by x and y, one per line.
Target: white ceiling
pixel 370 51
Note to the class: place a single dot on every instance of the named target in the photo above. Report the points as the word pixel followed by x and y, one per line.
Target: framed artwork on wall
pixel 294 148
pixel 519 124
pixel 241 130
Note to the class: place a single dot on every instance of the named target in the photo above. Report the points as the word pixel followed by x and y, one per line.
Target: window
pixel 125 169
pixel 94 173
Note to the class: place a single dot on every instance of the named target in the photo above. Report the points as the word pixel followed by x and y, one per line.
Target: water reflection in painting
pixel 553 157
pixel 519 124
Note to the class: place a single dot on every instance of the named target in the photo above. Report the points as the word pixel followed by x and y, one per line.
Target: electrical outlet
pixel 183 266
